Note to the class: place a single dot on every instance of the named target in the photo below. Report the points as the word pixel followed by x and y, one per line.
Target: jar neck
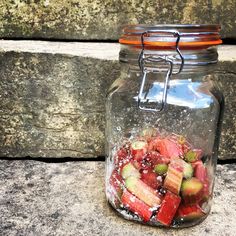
pixel 195 60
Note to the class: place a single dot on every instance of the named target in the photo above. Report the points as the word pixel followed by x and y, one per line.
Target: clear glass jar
pixel 163 119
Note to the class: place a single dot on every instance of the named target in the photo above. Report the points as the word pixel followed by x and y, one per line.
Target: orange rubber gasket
pixel 168 44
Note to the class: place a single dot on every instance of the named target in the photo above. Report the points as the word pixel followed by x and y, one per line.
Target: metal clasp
pixel 142 59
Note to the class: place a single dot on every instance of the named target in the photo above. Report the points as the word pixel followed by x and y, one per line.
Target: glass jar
pixel 163 119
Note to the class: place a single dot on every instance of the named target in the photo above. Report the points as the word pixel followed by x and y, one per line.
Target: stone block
pixel 53 95
pixel 38 198
pixel 103 20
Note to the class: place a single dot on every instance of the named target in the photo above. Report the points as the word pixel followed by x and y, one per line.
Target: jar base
pixel 177 224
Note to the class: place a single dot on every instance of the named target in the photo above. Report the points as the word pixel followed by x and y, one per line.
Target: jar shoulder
pixel 194 91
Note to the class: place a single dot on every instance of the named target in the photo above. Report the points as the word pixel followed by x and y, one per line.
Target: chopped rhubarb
pixel 168 208
pixel 161 174
pixel 137 164
pixel 170 148
pixel 139 149
pixel 200 172
pixel 192 190
pixel 116 181
pixel 136 206
pixel 177 163
pixel 143 191
pixel 189 212
pixel 186 147
pixel 153 144
pixel 129 170
pixel 180 139
pixel 116 184
pixel 174 176
pixel 151 178
pixel 199 153
pixel 188 170
pixel 193 155
pixel 156 158
pixel 161 169
pixel 144 164
pixel 122 157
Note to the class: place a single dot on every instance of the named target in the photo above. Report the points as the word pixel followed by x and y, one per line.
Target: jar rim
pixel 191 35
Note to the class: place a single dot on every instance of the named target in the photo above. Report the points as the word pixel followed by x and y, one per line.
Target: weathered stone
pixel 38 198
pixel 52 98
pixel 53 105
pixel 227 82
pixel 101 20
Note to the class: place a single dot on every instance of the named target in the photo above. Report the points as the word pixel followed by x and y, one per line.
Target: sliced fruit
pixel 129 170
pixel 161 169
pixel 139 149
pixel 174 176
pixel 192 190
pixel 188 170
pixel 170 148
pixel 150 178
pixel 168 208
pixel 189 212
pixel 144 192
pixel 136 206
pixel 193 155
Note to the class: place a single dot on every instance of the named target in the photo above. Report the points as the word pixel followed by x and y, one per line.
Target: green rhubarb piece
pixel 139 145
pixel 189 212
pixel 191 156
pixel 188 170
pixel 129 170
pixel 161 169
pixel 191 187
pixel 142 191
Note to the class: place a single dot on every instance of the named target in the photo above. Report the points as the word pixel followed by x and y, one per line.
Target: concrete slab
pixel 38 198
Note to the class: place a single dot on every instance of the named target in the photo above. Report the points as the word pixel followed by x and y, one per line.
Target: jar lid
pixel 190 36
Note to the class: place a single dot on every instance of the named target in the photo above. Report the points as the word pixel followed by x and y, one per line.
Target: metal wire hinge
pixel 142 97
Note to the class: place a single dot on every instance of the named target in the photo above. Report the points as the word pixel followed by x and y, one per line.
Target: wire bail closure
pixel 142 59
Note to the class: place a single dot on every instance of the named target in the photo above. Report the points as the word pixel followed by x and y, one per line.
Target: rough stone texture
pixel 103 19
pixel 52 105
pixel 39 198
pixel 52 98
pixel 227 82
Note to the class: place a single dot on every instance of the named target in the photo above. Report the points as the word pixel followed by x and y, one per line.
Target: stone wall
pixel 52 105
pixel 103 19
pixel 53 94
